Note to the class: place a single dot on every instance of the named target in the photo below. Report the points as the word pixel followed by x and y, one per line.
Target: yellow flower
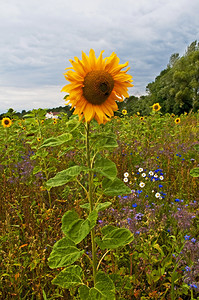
pixel 141 118
pixel 95 86
pixel 138 113
pixel 38 139
pixel 124 112
pixel 6 122
pixel 177 120
pixel 55 121
pixel 156 107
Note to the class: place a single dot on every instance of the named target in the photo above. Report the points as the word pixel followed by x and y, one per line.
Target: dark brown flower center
pixel 98 86
pixel 6 122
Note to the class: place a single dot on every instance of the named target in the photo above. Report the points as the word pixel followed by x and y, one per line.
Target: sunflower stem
pixel 90 199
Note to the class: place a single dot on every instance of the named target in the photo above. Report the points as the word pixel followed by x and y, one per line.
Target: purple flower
pixel 188 269
pixel 193 240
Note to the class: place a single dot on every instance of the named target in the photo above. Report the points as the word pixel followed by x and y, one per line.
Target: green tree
pixel 177 87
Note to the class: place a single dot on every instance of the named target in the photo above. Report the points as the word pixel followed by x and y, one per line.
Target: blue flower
pixel 177 200
pixel 193 240
pixel 134 205
pixel 187 237
pixel 160 186
pixel 188 269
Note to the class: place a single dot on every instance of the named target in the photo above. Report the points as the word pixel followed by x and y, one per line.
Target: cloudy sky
pixel 38 37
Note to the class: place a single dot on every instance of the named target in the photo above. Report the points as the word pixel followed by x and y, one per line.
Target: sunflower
pixel 156 107
pixel 95 86
pixel 124 112
pixel 141 118
pixel 177 120
pixel 6 122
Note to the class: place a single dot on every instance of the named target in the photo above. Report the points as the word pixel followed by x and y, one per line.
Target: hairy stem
pixel 90 199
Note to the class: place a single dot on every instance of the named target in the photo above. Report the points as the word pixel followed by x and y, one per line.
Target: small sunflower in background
pixel 177 120
pixel 124 112
pixel 6 122
pixel 141 118
pixel 38 139
pixel 156 107
pixel 95 86
pixel 54 121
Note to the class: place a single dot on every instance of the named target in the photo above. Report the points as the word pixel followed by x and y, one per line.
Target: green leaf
pixel 57 141
pixel 93 218
pixel 65 176
pixel 114 237
pixel 68 218
pixel 85 206
pixel 69 277
pixel 105 167
pixel 64 253
pixel 194 172
pixel 100 206
pixel 77 229
pixel 103 206
pixel 115 187
pixel 36 170
pixel 84 292
pixel 105 141
pixel 104 288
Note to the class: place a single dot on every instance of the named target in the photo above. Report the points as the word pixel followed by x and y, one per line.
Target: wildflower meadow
pixel 157 207
pixel 98 204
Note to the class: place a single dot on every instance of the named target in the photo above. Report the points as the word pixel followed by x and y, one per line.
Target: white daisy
pixel 157 195
pixel 142 184
pixel 126 174
pixel 143 174
pixel 140 170
pixel 151 173
pixel 125 179
pixel 161 177
pixel 156 176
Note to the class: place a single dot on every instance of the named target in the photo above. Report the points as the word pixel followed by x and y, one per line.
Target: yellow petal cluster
pixel 95 84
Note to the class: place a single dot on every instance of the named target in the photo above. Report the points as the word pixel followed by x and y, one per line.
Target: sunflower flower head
pixel 95 84
pixel 156 107
pixel 124 112
pixel 6 122
pixel 177 120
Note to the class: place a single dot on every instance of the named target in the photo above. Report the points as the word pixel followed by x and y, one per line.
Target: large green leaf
pixel 64 253
pixel 65 176
pixel 104 288
pixel 105 167
pixel 194 172
pixel 77 229
pixel 114 237
pixel 115 187
pixel 69 277
pixel 57 141
pixel 105 141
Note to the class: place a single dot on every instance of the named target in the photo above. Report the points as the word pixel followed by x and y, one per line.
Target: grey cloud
pixel 39 37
